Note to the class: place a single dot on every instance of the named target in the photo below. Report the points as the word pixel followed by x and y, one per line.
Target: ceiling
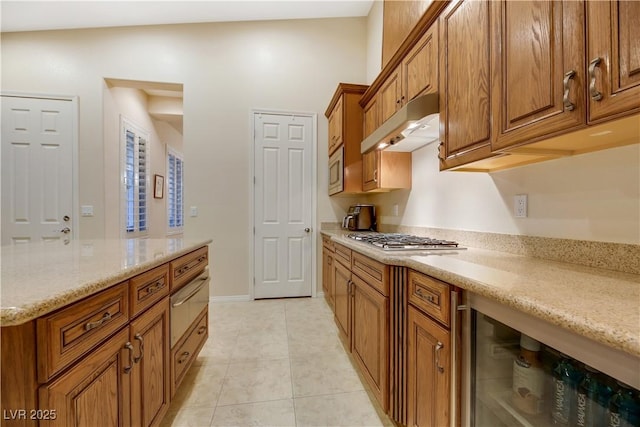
pixel 27 15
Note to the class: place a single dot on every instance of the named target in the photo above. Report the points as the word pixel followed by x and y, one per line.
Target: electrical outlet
pixel 520 205
pixel 395 209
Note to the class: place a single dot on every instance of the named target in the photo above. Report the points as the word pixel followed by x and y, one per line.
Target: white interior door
pixel 37 169
pixel 283 214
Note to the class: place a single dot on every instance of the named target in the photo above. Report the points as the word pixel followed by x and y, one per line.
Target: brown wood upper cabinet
pixel 613 55
pixel 465 82
pixel 398 18
pixel 345 130
pixel 335 127
pixel 416 75
pixel 386 170
pixel 539 62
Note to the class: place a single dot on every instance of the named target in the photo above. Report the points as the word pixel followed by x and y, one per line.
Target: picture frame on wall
pixel 158 187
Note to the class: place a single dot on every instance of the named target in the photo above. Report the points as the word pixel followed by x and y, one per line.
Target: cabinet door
pixel 327 288
pixel 371 117
pixel 370 163
pixel 335 127
pixel 342 286
pixel 420 66
pixel 465 83
pixel 150 386
pixel 370 338
pixel 539 60
pixel 613 52
pixel 390 95
pixel 428 371
pixel 398 19
pixel 95 391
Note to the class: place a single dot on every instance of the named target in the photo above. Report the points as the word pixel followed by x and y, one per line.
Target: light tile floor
pixel 273 363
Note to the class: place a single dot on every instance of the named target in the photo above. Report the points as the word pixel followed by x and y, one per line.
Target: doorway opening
pixel 143 168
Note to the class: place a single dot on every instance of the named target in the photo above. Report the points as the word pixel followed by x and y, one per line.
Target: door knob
pixel 307 230
pixel 66 230
pixel 66 218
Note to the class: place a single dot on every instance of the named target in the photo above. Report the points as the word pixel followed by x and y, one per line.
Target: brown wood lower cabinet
pixel 428 371
pixel 362 316
pixel 90 364
pixel 370 337
pixel 150 389
pixel 327 276
pixel 95 392
pixel 342 286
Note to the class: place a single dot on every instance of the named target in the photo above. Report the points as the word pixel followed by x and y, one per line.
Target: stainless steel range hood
pixel 413 126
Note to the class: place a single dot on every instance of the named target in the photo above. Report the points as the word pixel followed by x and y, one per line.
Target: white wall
pixel 374 41
pixel 227 69
pixel 588 197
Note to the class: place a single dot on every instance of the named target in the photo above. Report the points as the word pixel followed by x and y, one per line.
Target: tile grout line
pixel 293 397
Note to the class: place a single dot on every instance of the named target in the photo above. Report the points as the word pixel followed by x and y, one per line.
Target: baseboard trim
pixel 230 298
pixel 319 294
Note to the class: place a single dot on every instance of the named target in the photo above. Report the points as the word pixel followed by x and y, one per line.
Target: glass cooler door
pixel 519 381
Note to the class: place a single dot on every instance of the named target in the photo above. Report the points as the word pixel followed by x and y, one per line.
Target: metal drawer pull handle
pixel 595 95
pixel 202 330
pixel 155 287
pixel 184 357
pixel 129 347
pixel 191 294
pixel 568 105
pixel 202 258
pixel 439 151
pixel 92 325
pixel 439 347
pixel 423 296
pixel 139 338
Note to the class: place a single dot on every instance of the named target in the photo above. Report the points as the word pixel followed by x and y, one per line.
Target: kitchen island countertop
pixel 38 278
pixel 602 305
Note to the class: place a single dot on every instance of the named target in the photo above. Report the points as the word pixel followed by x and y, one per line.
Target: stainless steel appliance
pixel 399 242
pixel 523 371
pixel 360 217
pixel 187 303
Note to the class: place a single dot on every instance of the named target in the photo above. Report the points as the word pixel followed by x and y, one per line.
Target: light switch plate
pixel 86 210
pixel 194 211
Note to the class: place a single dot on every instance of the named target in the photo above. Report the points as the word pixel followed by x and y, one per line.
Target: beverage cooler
pixel 522 371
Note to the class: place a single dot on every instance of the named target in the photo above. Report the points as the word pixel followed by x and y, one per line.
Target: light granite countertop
pixel 38 278
pixel 602 305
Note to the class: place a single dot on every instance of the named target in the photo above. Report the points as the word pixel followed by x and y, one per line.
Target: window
pixel 135 180
pixel 174 188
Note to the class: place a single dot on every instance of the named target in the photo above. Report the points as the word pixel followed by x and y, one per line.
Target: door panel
pixel 614 41
pixel 465 77
pixel 540 68
pixel 370 342
pixel 37 169
pixel 428 387
pixel 342 287
pixel 282 199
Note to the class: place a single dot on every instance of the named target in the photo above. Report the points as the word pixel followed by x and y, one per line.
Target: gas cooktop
pixel 406 242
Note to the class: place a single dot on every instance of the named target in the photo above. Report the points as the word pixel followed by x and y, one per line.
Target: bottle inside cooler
pixel 519 381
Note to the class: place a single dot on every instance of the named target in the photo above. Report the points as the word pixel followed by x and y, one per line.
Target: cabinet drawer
pixel 185 352
pixel 431 296
pixel 327 243
pixel 373 272
pixel 148 288
pixel 185 268
pixel 343 254
pixel 69 333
